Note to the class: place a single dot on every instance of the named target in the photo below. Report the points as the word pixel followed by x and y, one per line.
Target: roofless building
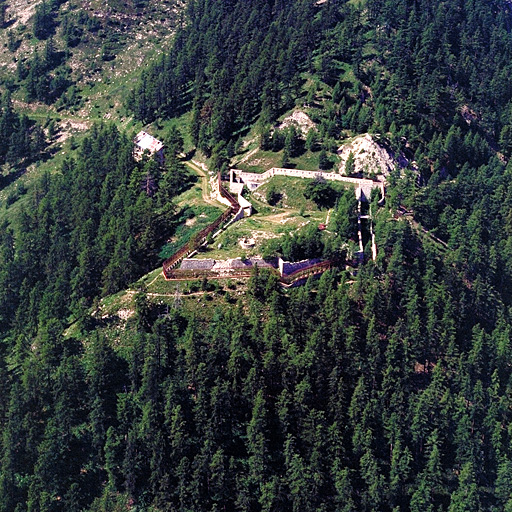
pixel 145 142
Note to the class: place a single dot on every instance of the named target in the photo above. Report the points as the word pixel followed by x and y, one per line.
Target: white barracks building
pixel 145 142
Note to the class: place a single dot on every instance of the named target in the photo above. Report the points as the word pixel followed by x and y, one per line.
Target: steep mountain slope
pixel 82 49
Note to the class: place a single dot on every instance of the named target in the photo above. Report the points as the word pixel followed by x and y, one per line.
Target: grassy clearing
pixel 260 161
pixel 190 296
pixel 202 304
pixel 292 192
pixel 307 161
pixel 192 196
pixel 259 228
pixel 112 303
pixel 158 288
pixel 190 220
pixel 292 212
pixel 147 280
pixel 257 160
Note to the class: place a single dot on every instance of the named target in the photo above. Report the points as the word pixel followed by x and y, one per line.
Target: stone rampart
pixel 363 190
pixel 289 267
pixel 237 268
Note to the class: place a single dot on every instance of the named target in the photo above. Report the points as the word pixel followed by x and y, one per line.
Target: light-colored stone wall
pixel 288 267
pixel 363 190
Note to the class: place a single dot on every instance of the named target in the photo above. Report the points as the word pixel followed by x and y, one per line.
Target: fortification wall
pixel 222 269
pixel 289 267
pixel 235 211
pixel 363 191
pixel 250 176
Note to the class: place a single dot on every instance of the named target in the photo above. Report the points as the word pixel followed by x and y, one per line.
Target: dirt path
pixel 248 155
pixel 278 218
pixel 328 218
pixel 153 280
pixel 420 229
pixel 172 294
pixel 204 183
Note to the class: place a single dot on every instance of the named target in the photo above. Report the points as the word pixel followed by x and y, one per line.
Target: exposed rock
pixel 301 121
pixel 468 114
pixel 370 157
pixel 125 314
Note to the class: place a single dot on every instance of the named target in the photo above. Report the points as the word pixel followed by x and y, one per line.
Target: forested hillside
pixel 385 387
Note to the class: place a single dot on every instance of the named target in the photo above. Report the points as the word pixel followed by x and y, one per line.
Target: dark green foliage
pixel 311 140
pixel 349 164
pixel 336 395
pixel 242 61
pixel 345 215
pixel 266 139
pixel 307 400
pixel 12 43
pixel 93 227
pixel 43 22
pixel 25 140
pixel 44 77
pixel 174 142
pixel 3 9
pixel 324 162
pixel 273 196
pixel 72 32
pixel 321 192
pixel 302 244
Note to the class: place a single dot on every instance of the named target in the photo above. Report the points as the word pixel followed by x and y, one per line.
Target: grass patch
pixel 148 279
pixel 190 220
pixel 193 196
pixel 291 191
pixel 261 228
pixel 261 161
pixel 307 161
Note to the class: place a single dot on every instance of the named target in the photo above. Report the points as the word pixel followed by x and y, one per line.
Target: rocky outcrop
pixel 369 156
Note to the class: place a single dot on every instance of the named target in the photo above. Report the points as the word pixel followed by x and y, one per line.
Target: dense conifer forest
pixel 386 388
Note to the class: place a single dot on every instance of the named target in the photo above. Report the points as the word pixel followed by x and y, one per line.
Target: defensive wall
pixel 254 180
pixel 232 214
pixel 298 276
pixel 238 208
pixel 225 197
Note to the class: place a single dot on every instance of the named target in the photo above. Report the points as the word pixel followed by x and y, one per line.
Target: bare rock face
pixel 368 156
pixel 301 120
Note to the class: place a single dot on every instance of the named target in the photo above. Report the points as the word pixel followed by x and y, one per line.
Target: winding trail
pixel 153 280
pixel 204 183
pixel 248 155
pixel 328 218
pixel 172 294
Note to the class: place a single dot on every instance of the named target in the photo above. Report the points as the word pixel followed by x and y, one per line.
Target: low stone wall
pixel 297 173
pixel 249 176
pixel 239 215
pixel 288 267
pixel 363 190
pixel 288 272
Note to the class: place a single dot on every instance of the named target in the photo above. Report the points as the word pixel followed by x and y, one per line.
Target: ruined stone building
pixel 145 142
